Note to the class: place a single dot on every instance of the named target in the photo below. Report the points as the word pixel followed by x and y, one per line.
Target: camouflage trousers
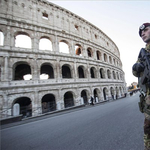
pixel 147 125
pixel 147 134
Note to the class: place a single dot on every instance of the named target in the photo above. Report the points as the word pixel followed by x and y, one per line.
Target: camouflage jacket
pixel 135 73
pixel 139 74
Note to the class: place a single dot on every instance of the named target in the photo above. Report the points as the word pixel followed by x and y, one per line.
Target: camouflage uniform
pixel 144 103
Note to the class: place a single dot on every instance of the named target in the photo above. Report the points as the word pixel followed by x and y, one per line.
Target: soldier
pixel 141 70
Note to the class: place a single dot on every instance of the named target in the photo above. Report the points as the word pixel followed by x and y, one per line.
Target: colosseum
pixel 51 60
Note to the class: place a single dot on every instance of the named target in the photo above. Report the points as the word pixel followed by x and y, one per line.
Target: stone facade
pixel 91 67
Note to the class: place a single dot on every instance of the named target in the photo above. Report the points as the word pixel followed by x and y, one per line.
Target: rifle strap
pixel 148 91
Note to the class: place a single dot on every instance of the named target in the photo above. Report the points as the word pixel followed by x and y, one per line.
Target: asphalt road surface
pixel 116 125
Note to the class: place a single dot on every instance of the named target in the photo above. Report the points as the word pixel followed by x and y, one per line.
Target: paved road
pixel 114 125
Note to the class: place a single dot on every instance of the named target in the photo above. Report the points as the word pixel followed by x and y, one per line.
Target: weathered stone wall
pixel 37 19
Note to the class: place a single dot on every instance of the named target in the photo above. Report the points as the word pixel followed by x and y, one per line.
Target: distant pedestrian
pixel 125 95
pixel 92 100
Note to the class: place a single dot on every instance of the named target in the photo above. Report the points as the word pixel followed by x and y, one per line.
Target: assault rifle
pixel 145 78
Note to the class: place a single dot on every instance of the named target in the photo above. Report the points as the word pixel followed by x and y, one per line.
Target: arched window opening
pixel 121 76
pixel 22 72
pixel 96 36
pixel 98 55
pixel 102 74
pixel 66 72
pixel 46 72
pixel 96 95
pixel 105 93
pixel 76 27
pixel 23 40
pixel 81 72
pixel 107 44
pixel 105 57
pixel 68 99
pixel 114 75
pixel 114 62
pixel 110 60
pixel 24 106
pixel 1 38
pixel 45 44
pixel 84 96
pixel 89 52
pixel 63 47
pixel 92 72
pixel 78 50
pixel 48 103
pixel 117 63
pixel 120 90
pixel 112 92
pixel 118 75
pixel 117 93
pixel 120 64
pixel 108 74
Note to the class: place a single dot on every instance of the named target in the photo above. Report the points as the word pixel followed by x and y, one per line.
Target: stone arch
pixel 121 90
pixel 117 63
pixel 105 57
pixel 46 71
pixel 124 89
pixel 114 75
pixel 93 72
pixel 117 75
pixel 81 72
pixel 112 92
pixel 102 73
pixel 45 43
pixel 96 94
pixel 78 50
pixel 105 93
pixel 84 95
pixel 98 54
pixel 66 71
pixel 22 71
pixel 114 61
pixel 25 106
pixel 68 99
pixel 64 46
pixel 1 38
pixel 108 74
pixel 110 60
pixel 89 52
pixel 20 37
pixel 117 93
pixel 48 103
pixel 121 76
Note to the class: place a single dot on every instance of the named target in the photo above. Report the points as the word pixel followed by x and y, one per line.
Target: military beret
pixel 142 27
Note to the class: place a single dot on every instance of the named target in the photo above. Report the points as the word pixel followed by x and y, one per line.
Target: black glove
pixel 138 67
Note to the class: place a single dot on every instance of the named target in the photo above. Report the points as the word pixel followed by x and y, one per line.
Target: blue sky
pixel 120 21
